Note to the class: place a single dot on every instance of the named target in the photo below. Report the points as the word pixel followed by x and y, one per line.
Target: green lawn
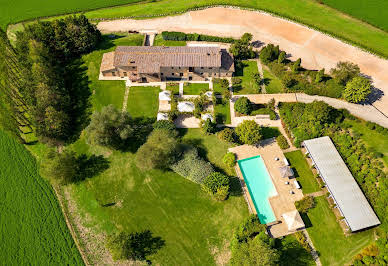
pixel 222 112
pixel 33 231
pixel 217 88
pixel 307 12
pixel 302 171
pixel 173 87
pixel 195 88
pixel 372 138
pixel 248 85
pixel 163 202
pixel 328 237
pixel 371 11
pixel 160 42
pixel 143 101
pixel 107 91
pixel 272 83
pixel 269 132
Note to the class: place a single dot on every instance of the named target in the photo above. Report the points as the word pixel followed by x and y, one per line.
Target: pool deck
pixel 284 201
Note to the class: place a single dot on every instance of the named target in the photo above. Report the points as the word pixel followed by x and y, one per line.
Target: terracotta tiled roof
pixel 149 59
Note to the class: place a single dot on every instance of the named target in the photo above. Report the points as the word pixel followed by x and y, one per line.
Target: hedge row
pixel 181 36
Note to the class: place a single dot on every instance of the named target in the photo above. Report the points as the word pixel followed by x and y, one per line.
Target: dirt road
pixel 316 49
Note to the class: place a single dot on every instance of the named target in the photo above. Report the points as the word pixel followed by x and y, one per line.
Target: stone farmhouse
pixel 160 63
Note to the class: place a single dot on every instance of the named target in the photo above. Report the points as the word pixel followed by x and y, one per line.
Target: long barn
pixel 347 195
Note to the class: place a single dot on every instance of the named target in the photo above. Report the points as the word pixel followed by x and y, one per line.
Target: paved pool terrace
pixel 283 201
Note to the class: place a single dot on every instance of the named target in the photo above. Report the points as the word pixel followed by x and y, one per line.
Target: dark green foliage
pixel 269 53
pixel 241 49
pixel 133 246
pixel 236 81
pixel 60 168
pixel 288 80
pixel 296 66
pixel 305 204
pixel 159 151
pixel 344 72
pixel 282 57
pixel 208 127
pixel 180 36
pixel 357 90
pixel 217 185
pixel 301 238
pixel 229 159
pixel 319 76
pixel 249 132
pixel 164 124
pixel 192 167
pixel 243 106
pixel 249 228
pixel 227 134
pixel 282 142
pixel 110 127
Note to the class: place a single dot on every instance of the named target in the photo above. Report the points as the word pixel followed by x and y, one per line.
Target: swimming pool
pixel 260 186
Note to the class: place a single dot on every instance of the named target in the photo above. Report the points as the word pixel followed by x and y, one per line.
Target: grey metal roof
pixel 340 182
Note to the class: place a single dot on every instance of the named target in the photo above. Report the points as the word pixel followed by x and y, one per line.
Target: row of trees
pixel 43 87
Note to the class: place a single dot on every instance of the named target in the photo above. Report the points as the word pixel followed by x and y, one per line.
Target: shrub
pixel 159 151
pixel 301 238
pixel 227 134
pixel 248 228
pixel 282 57
pixel 305 204
pixel 172 115
pixel 192 167
pixel 288 80
pixel 357 90
pixel 216 184
pixel 269 53
pixel 180 36
pixel 236 81
pixel 164 124
pixel 60 168
pixel 282 142
pixel 229 159
pixel 208 127
pixel 345 71
pixel 243 106
pixel 249 132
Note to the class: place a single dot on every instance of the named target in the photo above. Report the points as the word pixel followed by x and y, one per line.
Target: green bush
pixel 301 238
pixel 227 134
pixel 229 159
pixel 282 142
pixel 216 184
pixel 236 81
pixel 208 127
pixel 305 204
pixel 243 106
pixel 164 124
pixel 192 167
pixel 180 36
pixel 249 132
pixel 251 226
pixel 269 53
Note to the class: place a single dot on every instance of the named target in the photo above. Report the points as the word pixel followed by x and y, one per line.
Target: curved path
pixel 316 49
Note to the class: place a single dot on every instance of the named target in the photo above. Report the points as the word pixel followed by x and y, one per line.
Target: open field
pixel 302 171
pixel 246 72
pixel 328 238
pixel 195 88
pixel 374 12
pixel 33 229
pixel 143 101
pixel 107 91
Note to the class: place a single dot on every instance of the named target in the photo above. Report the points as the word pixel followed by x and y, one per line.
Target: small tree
pixel 249 132
pixel 60 168
pixel 288 80
pixel 229 159
pixel 319 76
pixel 282 142
pixel 160 150
pixel 357 90
pixel 296 66
pixel 282 57
pixel 226 95
pixel 227 134
pixel 208 127
pixel 305 204
pixel 269 53
pixel 243 106
pixel 224 83
pixel 241 49
pixel 216 184
pixel 345 71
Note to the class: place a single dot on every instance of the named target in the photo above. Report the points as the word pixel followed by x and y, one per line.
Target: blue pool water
pixel 260 186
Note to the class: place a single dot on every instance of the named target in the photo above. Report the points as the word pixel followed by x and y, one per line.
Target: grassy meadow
pixel 272 83
pixel 33 229
pixel 245 73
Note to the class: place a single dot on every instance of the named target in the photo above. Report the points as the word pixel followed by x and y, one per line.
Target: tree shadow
pixel 265 81
pixel 293 254
pixel 269 132
pixel 306 220
pixel 257 44
pixel 141 131
pixel 235 189
pixel 144 245
pixel 89 166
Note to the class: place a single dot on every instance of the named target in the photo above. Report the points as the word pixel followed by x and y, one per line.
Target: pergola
pixel 286 171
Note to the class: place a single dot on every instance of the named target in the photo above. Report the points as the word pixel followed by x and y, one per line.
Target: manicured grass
pixel 372 138
pixel 217 88
pixel 143 101
pixel 222 112
pixel 107 91
pixel 308 12
pixel 248 85
pixel 195 88
pixel 33 229
pixel 163 202
pixel 374 12
pixel 302 171
pixel 160 42
pixel 269 132
pixel 272 83
pixel 328 237
pixel 173 87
